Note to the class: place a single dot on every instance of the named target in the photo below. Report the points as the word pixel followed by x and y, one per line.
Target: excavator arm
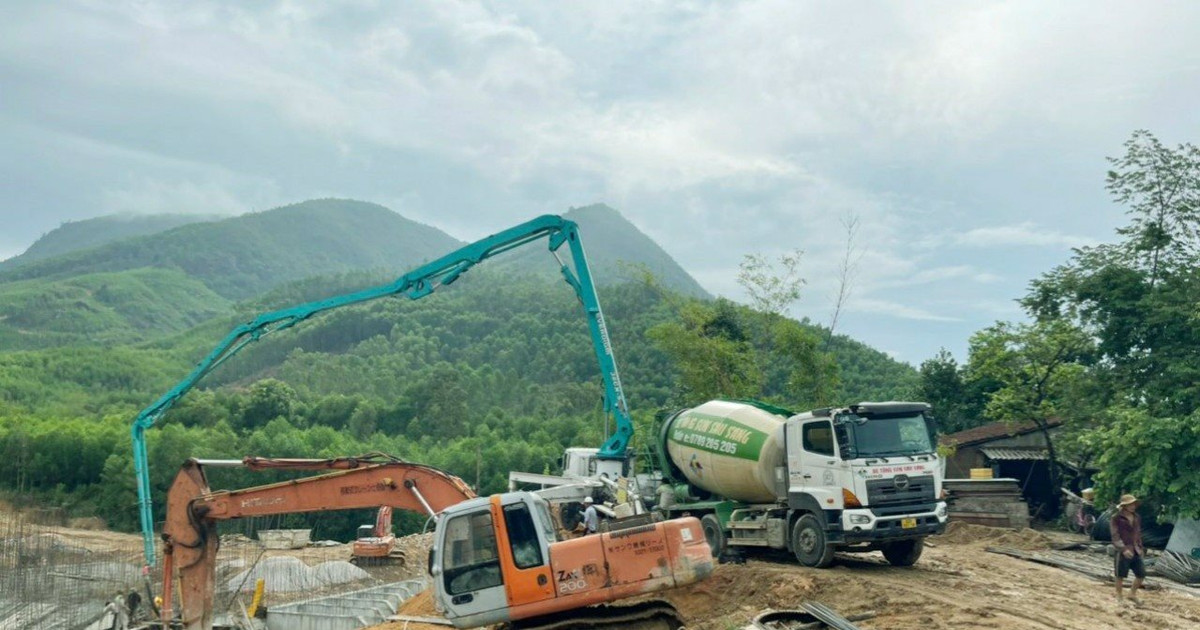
pixel 414 285
pixel 193 511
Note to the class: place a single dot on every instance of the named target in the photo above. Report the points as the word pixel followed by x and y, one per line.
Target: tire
pixel 810 544
pixel 714 534
pixel 904 553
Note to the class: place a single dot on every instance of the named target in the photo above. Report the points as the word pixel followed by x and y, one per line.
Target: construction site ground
pixel 957 584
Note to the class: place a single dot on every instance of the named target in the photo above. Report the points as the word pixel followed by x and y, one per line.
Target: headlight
pixel 859 519
pixel 941 511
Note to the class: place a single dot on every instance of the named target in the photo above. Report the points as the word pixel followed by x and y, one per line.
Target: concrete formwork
pixel 347 611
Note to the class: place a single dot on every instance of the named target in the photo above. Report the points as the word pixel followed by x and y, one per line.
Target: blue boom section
pixel 414 285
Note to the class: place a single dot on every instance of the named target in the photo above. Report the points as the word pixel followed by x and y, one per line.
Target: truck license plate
pixel 908 523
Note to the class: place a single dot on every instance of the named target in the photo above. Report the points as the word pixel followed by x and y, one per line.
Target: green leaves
pixel 1036 367
pixel 710 352
pixel 1155 458
pixel 772 286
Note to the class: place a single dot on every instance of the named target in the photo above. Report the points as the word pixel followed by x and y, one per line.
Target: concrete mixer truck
pixel 861 478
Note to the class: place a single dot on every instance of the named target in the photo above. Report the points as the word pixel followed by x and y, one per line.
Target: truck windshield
pixel 885 436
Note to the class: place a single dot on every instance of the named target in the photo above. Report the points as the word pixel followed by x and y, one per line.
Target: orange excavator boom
pixel 193 511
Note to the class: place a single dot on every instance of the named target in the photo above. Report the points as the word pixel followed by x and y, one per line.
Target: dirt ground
pixel 955 585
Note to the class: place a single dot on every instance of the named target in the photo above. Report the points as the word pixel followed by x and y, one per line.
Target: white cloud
pixel 150 196
pixel 896 309
pixel 1021 234
pixel 719 128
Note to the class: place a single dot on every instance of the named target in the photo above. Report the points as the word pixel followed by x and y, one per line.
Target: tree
pixel 812 374
pixel 1161 188
pixel 942 386
pixel 772 286
pixel 1155 458
pixel 1038 367
pixel 269 399
pixel 710 351
pixel 441 404
pixel 847 271
pixel 1137 296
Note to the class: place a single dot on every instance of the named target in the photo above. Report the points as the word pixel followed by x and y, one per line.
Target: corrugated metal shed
pixel 995 453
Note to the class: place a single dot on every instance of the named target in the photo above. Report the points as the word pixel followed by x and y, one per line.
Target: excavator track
pixel 654 614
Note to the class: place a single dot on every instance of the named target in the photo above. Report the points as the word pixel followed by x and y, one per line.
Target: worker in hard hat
pixel 591 517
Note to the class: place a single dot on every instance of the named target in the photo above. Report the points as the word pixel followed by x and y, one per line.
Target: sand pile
pixel 285 574
pixel 420 605
pixel 338 572
pixel 958 533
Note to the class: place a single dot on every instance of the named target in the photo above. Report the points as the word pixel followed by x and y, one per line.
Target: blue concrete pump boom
pixel 414 285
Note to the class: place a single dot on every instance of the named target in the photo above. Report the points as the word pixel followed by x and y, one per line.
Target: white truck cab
pixel 871 468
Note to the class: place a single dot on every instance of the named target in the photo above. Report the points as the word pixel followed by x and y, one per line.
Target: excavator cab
pixel 497 559
pixel 489 549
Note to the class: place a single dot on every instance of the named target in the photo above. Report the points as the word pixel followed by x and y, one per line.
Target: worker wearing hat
pixel 1126 528
pixel 591 518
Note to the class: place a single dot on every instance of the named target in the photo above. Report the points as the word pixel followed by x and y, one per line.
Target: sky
pixel 968 140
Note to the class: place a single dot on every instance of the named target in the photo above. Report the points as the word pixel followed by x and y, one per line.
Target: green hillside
pixel 490 375
pixel 244 256
pixel 77 235
pixel 103 308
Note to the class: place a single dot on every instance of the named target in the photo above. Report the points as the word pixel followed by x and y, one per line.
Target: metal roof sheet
pixel 992 431
pixel 1013 453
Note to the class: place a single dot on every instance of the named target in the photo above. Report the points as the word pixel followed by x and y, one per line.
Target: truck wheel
pixel 904 553
pixel 713 533
pixel 809 543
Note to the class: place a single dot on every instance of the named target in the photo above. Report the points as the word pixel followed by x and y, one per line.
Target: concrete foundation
pixel 347 611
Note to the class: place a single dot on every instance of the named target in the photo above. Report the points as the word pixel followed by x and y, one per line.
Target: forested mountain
pixel 139 287
pixel 76 235
pixel 617 250
pixel 244 256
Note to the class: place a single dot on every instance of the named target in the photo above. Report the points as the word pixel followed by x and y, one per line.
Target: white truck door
pixel 820 469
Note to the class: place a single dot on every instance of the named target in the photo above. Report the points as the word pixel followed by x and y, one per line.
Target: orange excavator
pixel 376 544
pixel 494 559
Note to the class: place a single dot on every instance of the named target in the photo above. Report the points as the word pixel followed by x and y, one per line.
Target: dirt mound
pixel 420 605
pixel 958 533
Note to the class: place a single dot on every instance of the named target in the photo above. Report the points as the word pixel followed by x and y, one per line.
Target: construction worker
pixel 119 611
pixel 1126 528
pixel 591 518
